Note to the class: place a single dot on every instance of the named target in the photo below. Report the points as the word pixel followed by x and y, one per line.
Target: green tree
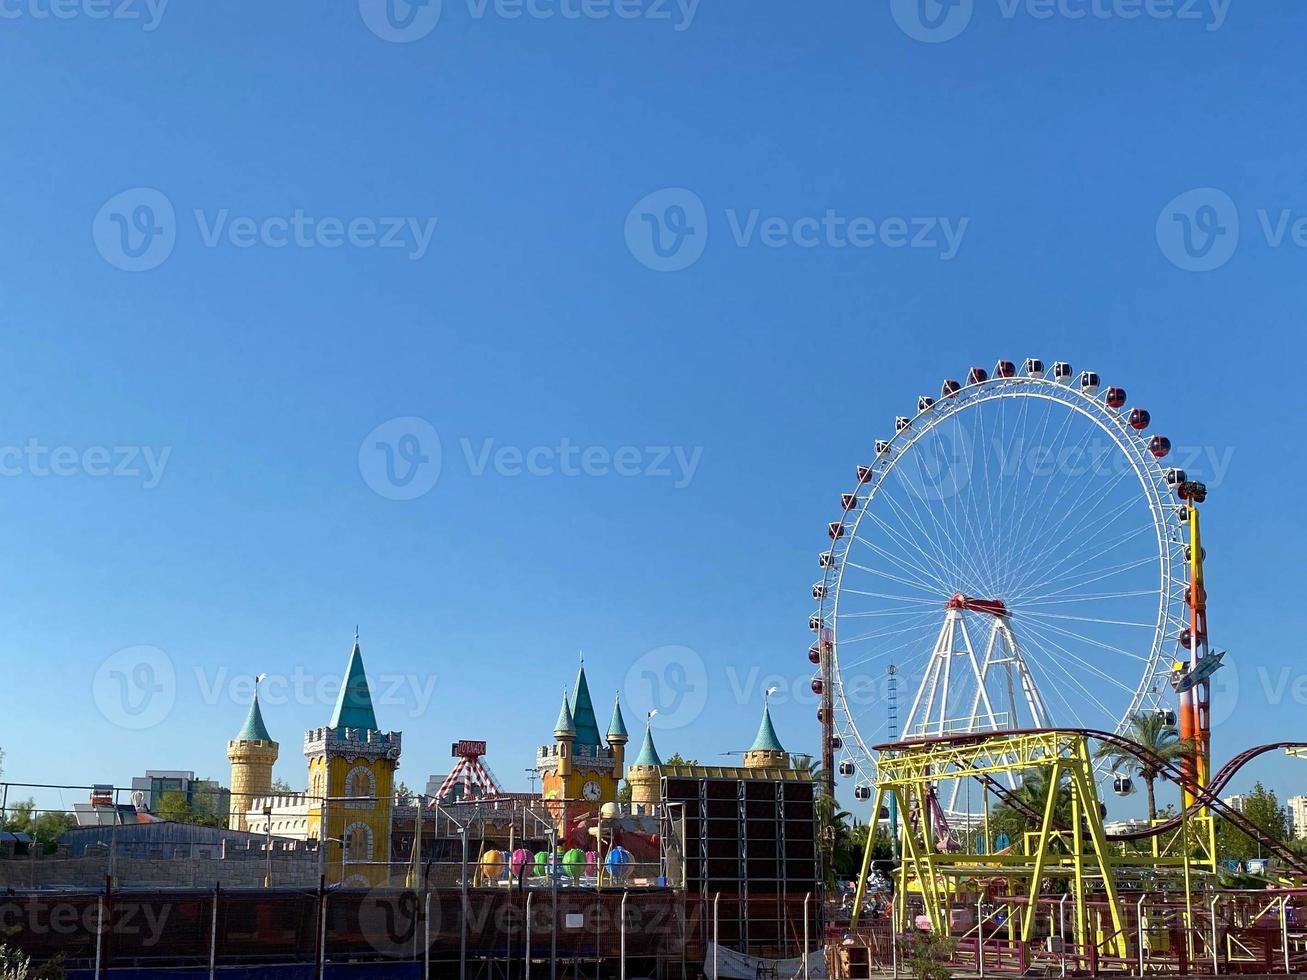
pixel 174 806
pixel 1149 730
pixel 45 826
pixel 280 787
pixel 1008 818
pixel 1261 807
pixel 849 852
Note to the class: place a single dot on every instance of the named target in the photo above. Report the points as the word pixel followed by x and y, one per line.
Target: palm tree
pixel 1150 730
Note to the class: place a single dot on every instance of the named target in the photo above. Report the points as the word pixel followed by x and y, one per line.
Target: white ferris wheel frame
pixel 1133 446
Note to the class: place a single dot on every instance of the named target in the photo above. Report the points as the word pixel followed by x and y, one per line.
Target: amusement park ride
pixel 1025 507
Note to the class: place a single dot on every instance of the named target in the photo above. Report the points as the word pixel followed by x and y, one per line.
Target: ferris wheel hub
pixel 991 607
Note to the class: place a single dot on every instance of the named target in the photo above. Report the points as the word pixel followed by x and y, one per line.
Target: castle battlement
pixel 352 742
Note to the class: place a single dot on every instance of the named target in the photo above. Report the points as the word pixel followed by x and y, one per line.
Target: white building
pixel 289 815
pixel 1298 814
pixel 1237 801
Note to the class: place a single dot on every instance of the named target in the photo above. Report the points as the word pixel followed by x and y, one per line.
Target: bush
pixel 926 955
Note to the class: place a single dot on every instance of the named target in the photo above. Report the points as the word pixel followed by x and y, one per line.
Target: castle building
pixel 351 790
pixel 252 754
pixel 578 770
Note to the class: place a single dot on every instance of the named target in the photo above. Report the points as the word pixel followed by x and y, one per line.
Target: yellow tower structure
pixel 578 770
pixel 252 754
pixel 352 767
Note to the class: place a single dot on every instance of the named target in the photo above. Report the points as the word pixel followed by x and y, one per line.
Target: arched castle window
pixel 361 783
pixel 359 837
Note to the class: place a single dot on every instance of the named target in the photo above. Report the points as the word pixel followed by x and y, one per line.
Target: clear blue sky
pixel 534 314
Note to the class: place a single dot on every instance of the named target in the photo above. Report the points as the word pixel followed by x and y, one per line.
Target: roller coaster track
pixel 1207 797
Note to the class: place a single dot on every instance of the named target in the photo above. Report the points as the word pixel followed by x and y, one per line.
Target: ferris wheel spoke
pixel 1077 677
pixel 1036 506
pixel 1090 619
pixel 1061 568
pixel 907 568
pixel 893 578
pixel 1069 575
pixel 1086 517
pixel 1095 597
pixel 888 595
pixel 914 518
pixel 1090 519
pixel 932 549
pixel 1050 662
pixel 979 529
pixel 1109 647
pixel 908 545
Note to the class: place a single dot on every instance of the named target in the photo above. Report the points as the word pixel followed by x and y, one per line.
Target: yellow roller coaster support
pixel 909 773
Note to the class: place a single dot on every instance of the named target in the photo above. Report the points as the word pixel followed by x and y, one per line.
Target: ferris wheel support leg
pixel 929 682
pixel 943 695
pixel 982 677
pixel 1029 689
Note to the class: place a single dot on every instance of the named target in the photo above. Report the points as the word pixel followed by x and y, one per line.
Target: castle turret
pixel 766 751
pixel 645 774
pixel 564 738
pixel 352 767
pixel 617 739
pixel 252 754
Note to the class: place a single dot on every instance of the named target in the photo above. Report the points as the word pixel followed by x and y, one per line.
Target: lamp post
pixel 267 846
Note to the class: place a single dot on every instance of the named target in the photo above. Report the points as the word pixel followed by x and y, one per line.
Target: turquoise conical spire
pixel 583 712
pixel 648 754
pixel 766 740
pixel 254 730
pixel 617 727
pixel 354 703
pixel 565 725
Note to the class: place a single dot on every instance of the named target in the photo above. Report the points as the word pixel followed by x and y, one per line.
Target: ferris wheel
pixel 1011 556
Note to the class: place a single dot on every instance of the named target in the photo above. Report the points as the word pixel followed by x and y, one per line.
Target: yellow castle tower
pixel 578 770
pixel 252 754
pixel 352 767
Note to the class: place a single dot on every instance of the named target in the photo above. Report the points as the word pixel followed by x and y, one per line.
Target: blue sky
pixel 1042 159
